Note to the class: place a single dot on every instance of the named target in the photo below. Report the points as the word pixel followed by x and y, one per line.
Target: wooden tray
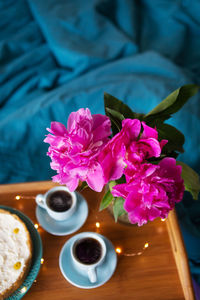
pixel 141 274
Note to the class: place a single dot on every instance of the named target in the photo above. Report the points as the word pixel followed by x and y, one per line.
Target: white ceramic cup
pixel 42 201
pixel 90 269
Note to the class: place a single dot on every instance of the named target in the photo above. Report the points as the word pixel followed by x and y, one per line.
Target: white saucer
pixel 79 278
pixel 64 227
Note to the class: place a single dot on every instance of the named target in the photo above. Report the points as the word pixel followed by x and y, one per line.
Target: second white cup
pixel 88 252
pixel 59 202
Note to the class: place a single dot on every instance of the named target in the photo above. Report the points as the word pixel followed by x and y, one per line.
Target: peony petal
pixel 149 132
pixel 151 147
pixel 132 201
pixel 138 216
pixel 163 143
pixel 169 169
pixel 153 213
pixel 58 128
pixel 119 190
pixel 95 179
pixel 132 128
pixel 76 117
pixel 101 127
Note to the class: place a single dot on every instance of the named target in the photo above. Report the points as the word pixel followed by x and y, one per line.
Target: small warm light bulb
pixel 42 261
pixel 17 197
pixel 97 224
pixel 139 253
pixel 36 226
pixel 146 245
pixel 163 220
pixel 118 250
pixel 23 290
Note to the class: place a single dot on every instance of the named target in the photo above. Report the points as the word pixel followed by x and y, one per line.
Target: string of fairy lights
pixel 119 250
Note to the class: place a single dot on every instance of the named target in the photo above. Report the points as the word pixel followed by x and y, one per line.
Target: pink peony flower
pixel 151 191
pixel 128 147
pixel 112 157
pixel 74 150
pixel 145 147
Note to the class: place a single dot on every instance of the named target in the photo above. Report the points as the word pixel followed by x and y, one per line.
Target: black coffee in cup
pixel 59 201
pixel 88 251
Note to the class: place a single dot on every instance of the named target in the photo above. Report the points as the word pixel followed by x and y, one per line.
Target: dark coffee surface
pixel 60 201
pixel 88 251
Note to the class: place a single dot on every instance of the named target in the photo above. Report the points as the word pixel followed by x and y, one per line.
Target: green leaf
pixel 115 113
pixel 107 199
pixel 191 180
pixel 115 104
pixel 118 208
pixel 175 138
pixel 172 103
pixel 83 186
pixel 115 118
pixel 122 179
pixel 112 184
pixel 115 125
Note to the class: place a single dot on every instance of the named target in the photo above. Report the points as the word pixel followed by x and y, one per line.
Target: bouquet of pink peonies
pixel 134 154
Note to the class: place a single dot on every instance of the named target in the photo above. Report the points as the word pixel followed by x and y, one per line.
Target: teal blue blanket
pixel 58 56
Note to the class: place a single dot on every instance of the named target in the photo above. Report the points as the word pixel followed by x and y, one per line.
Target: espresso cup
pixel 88 252
pixel 59 202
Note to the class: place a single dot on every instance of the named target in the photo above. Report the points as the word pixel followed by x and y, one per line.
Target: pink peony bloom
pixel 151 191
pixel 128 147
pixel 145 147
pixel 112 157
pixel 74 150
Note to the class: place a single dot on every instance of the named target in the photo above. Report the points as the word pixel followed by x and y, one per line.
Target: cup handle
pixel 92 275
pixel 40 200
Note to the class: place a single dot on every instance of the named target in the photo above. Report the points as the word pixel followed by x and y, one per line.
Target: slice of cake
pixel 15 252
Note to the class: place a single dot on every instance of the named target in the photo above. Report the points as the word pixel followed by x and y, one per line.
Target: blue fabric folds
pixel 58 56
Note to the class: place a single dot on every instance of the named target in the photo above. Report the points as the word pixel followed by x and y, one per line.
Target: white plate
pixel 68 226
pixel 80 279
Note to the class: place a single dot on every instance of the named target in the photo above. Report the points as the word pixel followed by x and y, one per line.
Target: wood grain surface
pixel 180 255
pixel 151 275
